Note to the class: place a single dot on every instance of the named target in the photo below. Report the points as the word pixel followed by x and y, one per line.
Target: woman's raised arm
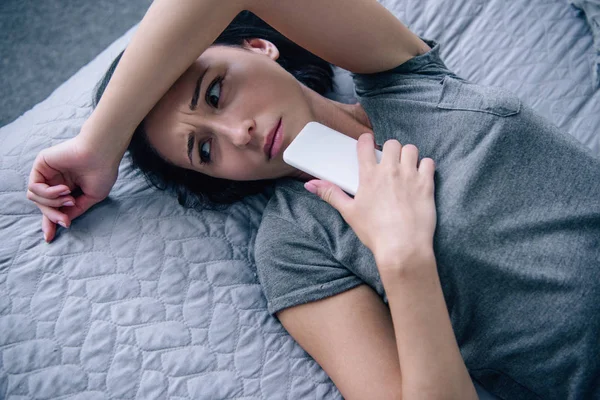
pixel 359 35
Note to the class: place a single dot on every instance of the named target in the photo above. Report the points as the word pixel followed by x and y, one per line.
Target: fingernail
pixel 68 203
pixel 45 237
pixel 310 187
pixel 65 193
pixel 61 223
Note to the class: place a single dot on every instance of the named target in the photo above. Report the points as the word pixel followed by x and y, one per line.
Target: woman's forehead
pixel 166 117
pixel 167 114
pixel 167 135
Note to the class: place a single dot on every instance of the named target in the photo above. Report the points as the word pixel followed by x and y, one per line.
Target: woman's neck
pixel 350 119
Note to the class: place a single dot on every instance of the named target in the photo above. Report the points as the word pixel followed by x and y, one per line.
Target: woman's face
pixel 231 114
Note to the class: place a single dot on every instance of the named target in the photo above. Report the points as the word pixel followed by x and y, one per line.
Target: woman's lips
pixel 274 141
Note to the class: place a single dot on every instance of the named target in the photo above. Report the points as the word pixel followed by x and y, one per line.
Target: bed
pixel 144 299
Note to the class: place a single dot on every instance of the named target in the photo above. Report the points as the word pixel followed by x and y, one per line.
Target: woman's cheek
pixel 242 170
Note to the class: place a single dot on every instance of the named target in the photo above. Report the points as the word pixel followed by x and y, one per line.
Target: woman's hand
pixel 59 170
pixel 393 212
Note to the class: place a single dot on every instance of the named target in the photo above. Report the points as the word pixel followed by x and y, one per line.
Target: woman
pixel 516 243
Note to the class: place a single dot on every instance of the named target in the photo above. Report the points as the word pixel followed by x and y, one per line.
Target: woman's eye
pixel 205 152
pixel 213 93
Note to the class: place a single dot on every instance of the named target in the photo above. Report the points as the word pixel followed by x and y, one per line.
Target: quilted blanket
pixel 144 299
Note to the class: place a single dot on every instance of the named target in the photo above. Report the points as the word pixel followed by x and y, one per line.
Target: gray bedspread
pixel 143 299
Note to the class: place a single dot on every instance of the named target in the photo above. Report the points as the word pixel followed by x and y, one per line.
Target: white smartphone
pixel 326 154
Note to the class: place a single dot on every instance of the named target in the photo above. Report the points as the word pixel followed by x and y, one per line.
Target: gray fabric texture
pixel 43 43
pixel 517 241
pixel 591 8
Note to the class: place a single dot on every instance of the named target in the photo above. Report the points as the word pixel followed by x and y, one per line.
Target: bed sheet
pixel 144 299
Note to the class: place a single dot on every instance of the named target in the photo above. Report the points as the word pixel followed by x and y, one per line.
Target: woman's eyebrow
pixel 190 146
pixel 196 94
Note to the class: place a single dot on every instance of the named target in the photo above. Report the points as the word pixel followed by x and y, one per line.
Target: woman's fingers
pixel 62 201
pixel 49 192
pixel 427 167
pixel 365 150
pixel 55 215
pixel 410 155
pixel 42 174
pixel 391 152
pixel 52 215
pixel 331 194
pixel 82 204
pixel 49 229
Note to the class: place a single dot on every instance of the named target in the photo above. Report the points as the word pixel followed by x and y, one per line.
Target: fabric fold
pixel 591 8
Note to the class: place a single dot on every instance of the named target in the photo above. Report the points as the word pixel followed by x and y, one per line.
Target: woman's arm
pixel 359 344
pixel 359 35
pixel 352 337
pixel 393 214
pixel 431 362
pixel 171 36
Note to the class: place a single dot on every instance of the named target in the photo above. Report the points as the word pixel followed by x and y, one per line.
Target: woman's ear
pixel 262 46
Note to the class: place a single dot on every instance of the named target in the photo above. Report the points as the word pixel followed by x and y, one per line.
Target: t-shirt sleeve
pixel 425 66
pixel 294 268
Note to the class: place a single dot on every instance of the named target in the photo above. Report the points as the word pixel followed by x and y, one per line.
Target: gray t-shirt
pixel 517 242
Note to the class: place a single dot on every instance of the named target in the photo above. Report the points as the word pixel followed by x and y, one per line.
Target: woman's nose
pixel 240 134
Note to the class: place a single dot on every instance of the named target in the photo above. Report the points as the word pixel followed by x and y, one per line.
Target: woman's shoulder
pixel 290 202
pixel 426 66
pixel 295 223
pixel 296 249
pixel 292 212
